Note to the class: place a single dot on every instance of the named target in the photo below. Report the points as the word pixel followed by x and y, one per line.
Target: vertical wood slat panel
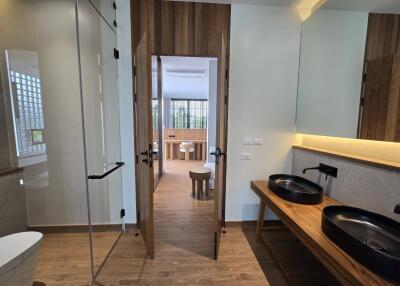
pixel 393 110
pixel 198 8
pixel 181 28
pixel 187 28
pixel 383 38
pixel 167 14
pixel 381 110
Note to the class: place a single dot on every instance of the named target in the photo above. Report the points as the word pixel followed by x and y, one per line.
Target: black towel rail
pixel 99 177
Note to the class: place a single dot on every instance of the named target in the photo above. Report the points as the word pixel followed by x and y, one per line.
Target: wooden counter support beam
pixel 260 221
pixel 305 223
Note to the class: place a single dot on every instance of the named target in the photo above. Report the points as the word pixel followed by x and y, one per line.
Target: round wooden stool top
pixel 200 173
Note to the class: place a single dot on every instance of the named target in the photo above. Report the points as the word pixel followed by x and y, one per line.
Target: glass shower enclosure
pixel 59 98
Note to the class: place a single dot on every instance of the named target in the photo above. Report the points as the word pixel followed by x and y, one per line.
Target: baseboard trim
pixel 80 228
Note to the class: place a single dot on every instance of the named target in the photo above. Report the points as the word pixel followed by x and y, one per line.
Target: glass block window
pixel 191 114
pixel 28 114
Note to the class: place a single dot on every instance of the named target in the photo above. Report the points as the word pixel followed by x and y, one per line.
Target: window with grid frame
pixel 155 113
pixel 189 113
pixel 28 114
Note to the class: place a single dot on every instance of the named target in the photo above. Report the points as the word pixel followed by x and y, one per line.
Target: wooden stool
pixel 199 175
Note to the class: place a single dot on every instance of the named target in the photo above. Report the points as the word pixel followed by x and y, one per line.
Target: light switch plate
pixel 247 141
pixel 245 156
pixel 258 141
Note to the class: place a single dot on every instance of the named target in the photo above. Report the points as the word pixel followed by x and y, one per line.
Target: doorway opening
pixel 184 100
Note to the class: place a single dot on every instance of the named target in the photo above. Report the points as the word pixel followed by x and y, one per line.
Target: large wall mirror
pixel 349 79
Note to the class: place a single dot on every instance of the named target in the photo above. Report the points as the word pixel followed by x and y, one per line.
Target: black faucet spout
pixel 313 168
pixel 397 209
pixel 325 169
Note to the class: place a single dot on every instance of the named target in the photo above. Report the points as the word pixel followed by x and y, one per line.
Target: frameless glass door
pixel 97 41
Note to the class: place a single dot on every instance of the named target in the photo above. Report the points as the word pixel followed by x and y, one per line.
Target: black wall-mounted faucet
pixel 397 209
pixel 326 169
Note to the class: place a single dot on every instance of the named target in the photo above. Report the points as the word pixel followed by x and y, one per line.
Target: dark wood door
pixel 220 152
pixel 144 143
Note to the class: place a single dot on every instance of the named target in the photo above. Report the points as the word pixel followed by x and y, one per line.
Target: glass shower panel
pixel 107 9
pixel 39 70
pixel 102 134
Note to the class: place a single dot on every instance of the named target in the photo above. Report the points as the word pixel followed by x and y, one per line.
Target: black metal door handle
pixel 218 154
pixel 149 156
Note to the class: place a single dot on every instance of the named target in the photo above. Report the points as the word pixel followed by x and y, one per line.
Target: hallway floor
pixel 184 243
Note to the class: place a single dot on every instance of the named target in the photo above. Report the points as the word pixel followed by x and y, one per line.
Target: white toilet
pixel 18 253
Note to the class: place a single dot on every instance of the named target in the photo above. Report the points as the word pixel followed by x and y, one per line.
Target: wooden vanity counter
pixel 305 223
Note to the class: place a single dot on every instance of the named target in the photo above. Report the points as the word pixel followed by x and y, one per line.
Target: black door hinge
pixel 122 213
pixel 134 71
pixel 226 74
pixel 114 6
pixel 116 54
pixel 115 23
pixel 136 159
pixel 138 216
pixel 362 101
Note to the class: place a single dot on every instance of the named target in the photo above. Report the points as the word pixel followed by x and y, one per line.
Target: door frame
pixel 202 55
pixel 161 139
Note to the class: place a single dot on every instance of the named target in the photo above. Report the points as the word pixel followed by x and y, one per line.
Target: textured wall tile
pixel 357 184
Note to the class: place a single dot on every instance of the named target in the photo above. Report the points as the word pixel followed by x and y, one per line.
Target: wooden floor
pixel 64 257
pixel 183 243
pixel 184 249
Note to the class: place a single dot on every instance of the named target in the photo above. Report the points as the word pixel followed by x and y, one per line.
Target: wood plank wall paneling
pixel 381 110
pixel 185 28
pixel 383 37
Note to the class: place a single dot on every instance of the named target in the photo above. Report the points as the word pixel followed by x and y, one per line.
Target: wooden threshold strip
pixel 394 166
pixel 305 223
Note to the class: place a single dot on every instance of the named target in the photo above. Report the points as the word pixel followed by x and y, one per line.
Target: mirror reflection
pixel 349 81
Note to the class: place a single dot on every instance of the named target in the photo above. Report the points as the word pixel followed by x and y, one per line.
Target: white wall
pixel 331 68
pixel 264 58
pixel 185 86
pixel 126 109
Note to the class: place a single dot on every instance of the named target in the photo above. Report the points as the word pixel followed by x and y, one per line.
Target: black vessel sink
pixel 296 189
pixel 370 238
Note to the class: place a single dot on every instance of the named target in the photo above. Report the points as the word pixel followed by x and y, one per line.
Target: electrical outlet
pixel 245 156
pixel 247 141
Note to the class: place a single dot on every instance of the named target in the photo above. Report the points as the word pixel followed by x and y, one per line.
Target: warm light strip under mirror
pixel 379 150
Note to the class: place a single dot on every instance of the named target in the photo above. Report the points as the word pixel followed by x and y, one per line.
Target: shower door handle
pixel 99 177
